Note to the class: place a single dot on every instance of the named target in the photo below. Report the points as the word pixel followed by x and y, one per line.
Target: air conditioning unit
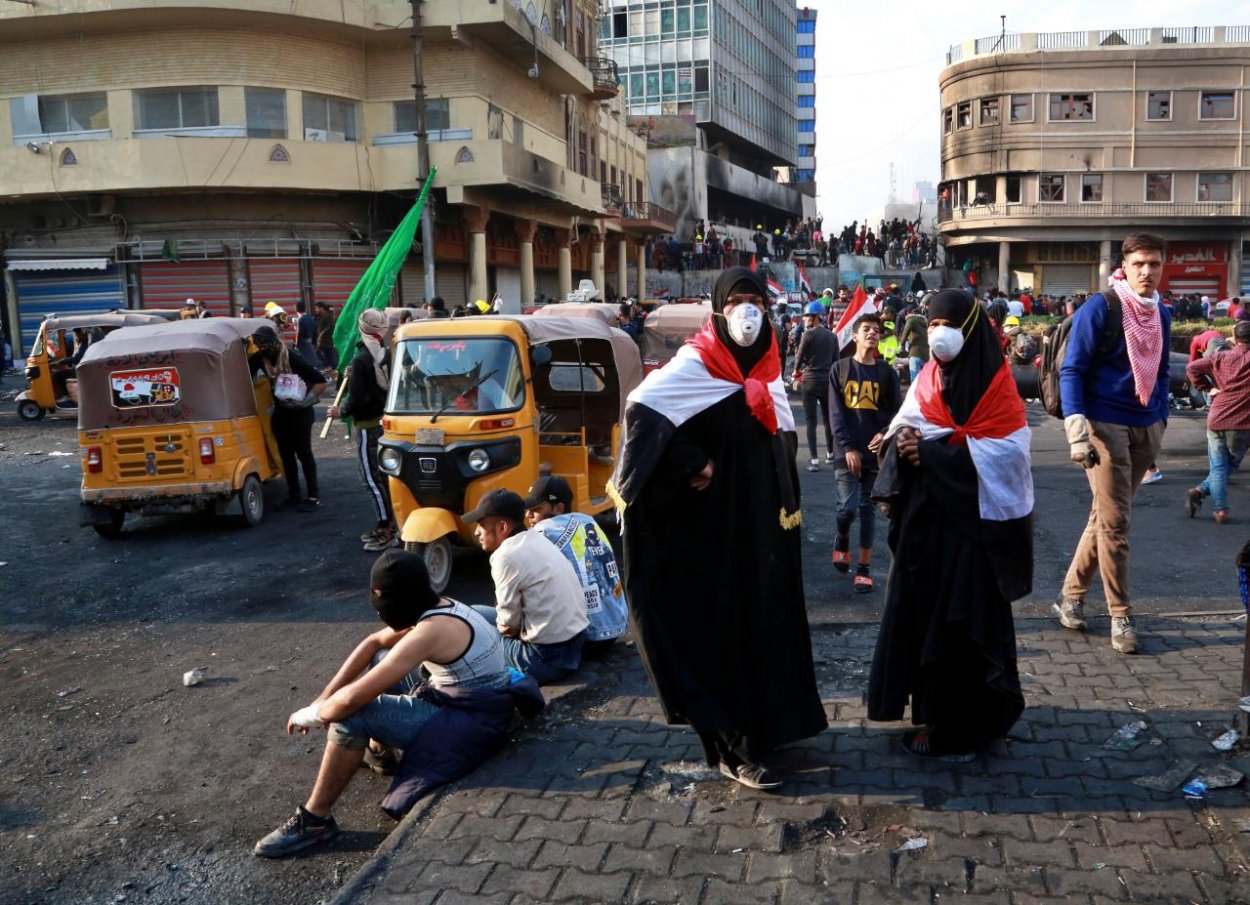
pixel 324 135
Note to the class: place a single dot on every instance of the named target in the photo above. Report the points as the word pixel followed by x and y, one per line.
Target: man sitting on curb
pixel 539 606
pixel 549 510
pixel 446 725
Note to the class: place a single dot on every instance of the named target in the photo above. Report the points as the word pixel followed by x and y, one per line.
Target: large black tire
pixel 113 527
pixel 437 555
pixel 252 501
pixel 29 410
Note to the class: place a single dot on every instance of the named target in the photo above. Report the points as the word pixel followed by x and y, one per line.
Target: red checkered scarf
pixel 1143 335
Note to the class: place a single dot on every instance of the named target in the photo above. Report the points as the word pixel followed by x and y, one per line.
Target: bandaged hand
pixel 307 718
pixel 1079 448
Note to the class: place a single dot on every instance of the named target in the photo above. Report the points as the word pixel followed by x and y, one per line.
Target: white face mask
pixel 745 323
pixel 945 342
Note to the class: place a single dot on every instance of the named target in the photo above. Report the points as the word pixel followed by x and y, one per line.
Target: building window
pixel 807 26
pixel 989 111
pixel 1215 186
pixel 806 150
pixel 266 112
pixel 1022 108
pixel 1071 107
pixel 807 51
pixel 807 125
pixel 948 120
pixel 963 115
pixel 1217 105
pixel 807 100
pixel 1158 186
pixel 1091 187
pixel 1158 105
pixel 328 118
pixel 1013 189
pixel 176 108
pixel 1050 187
pixel 73 112
pixel 437 115
pixel 806 76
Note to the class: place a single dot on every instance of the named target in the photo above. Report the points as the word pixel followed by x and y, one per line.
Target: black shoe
pixel 753 776
pixel 300 832
pixel 312 504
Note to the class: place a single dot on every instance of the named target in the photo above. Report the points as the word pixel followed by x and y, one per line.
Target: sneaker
pixel 813 465
pixel 1123 635
pixel 1071 613
pixel 1193 501
pixel 369 535
pixel 1152 477
pixel 829 458
pixel 383 540
pixel 300 832
pixel 1221 516
pixel 753 776
pixel 312 504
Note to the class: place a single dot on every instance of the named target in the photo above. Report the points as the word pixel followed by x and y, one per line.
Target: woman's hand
pixel 908 444
pixel 702 479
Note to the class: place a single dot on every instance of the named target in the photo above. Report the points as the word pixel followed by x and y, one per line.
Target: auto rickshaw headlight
pixel 390 461
pixel 479 460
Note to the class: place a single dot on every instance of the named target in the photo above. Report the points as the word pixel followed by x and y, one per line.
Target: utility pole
pixel 423 153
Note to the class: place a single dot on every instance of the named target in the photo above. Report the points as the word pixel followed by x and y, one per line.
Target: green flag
pixel 374 288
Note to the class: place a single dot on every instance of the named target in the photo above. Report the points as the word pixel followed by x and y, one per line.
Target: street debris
pixel 1169 779
pixel 1243 703
pixel 194 676
pixel 1127 737
pixel 68 692
pixel 913 845
pixel 1194 789
pixel 1219 776
pixel 1226 741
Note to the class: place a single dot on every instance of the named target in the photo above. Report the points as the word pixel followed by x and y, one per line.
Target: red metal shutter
pixel 166 284
pixel 334 280
pixel 277 280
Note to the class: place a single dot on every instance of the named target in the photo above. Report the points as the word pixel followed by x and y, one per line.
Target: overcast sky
pixel 877 68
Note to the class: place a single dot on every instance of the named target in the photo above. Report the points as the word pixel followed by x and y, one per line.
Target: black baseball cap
pixel 550 489
pixel 500 502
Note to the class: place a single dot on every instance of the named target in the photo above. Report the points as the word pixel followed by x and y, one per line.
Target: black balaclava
pixel 966 378
pixel 734 280
pixel 404 583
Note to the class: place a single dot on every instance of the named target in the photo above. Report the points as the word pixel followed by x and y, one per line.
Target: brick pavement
pixel 601 801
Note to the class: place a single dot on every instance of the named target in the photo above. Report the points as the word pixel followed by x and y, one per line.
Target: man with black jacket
pixel 367 382
pixel 816 354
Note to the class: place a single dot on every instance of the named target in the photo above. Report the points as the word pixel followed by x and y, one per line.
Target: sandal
pixel 863 583
pixel 842 560
pixel 920 743
pixel 1221 516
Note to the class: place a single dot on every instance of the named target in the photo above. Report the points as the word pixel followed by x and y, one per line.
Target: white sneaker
pixel 1123 635
pixel 813 465
pixel 1071 613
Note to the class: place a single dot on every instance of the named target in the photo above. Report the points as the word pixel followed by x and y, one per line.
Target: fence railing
pixel 1108 38
pixel 647 211
pixel 1093 210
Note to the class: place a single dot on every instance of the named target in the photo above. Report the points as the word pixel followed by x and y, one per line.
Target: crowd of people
pixel 708 464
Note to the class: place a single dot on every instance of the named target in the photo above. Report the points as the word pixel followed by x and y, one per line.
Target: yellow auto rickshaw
pixel 62 341
pixel 486 402
pixel 170 420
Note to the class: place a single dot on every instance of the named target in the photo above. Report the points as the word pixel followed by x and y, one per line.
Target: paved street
pixel 120 782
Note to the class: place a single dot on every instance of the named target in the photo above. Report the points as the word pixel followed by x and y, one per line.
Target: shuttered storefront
pixel 412 284
pixel 44 292
pixel 334 280
pixel 166 284
pixel 275 280
pixel 451 281
pixel 547 282
pixel 508 286
pixel 1067 279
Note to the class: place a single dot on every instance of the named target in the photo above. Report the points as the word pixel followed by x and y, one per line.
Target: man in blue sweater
pixel 1114 388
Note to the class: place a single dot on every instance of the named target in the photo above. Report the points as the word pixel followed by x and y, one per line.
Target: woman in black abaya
pixel 708 496
pixel 957 480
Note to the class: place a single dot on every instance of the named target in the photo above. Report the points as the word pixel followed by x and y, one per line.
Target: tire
pixel 113 527
pixel 29 410
pixel 437 557
pixel 252 501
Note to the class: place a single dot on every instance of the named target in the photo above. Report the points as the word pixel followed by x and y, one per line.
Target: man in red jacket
pixel 1227 376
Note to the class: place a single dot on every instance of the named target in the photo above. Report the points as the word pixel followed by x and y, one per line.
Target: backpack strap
pixel 1113 330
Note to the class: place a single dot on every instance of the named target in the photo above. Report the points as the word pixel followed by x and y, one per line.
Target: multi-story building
pixel 804 172
pixel 1056 145
pixel 712 87
pixel 242 152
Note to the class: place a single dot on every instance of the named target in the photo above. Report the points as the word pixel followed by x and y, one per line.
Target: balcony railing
pixel 1099 39
pixel 604 75
pixel 611 196
pixel 647 213
pixel 1098 210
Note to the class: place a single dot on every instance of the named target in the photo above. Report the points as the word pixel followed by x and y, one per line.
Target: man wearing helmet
pixel 817 351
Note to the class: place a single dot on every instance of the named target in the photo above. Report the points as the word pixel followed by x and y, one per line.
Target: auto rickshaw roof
pixel 108 319
pixel 208 334
pixel 540 330
pixel 668 327
pixel 604 311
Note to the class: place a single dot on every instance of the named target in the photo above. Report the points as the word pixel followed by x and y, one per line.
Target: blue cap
pixel 815 308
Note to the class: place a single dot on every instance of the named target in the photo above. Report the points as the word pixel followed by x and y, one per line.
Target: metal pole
pixel 423 152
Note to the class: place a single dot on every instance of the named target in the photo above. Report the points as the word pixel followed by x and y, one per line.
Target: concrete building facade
pixel 711 86
pixel 1055 145
pixel 804 172
pixel 248 151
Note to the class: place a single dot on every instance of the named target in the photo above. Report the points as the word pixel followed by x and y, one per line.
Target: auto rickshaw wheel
pixel 113 527
pixel 437 556
pixel 29 410
pixel 252 501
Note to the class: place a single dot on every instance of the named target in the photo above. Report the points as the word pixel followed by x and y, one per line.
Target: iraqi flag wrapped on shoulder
pixel 861 303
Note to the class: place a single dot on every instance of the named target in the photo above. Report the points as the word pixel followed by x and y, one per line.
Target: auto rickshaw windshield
pixel 456 375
